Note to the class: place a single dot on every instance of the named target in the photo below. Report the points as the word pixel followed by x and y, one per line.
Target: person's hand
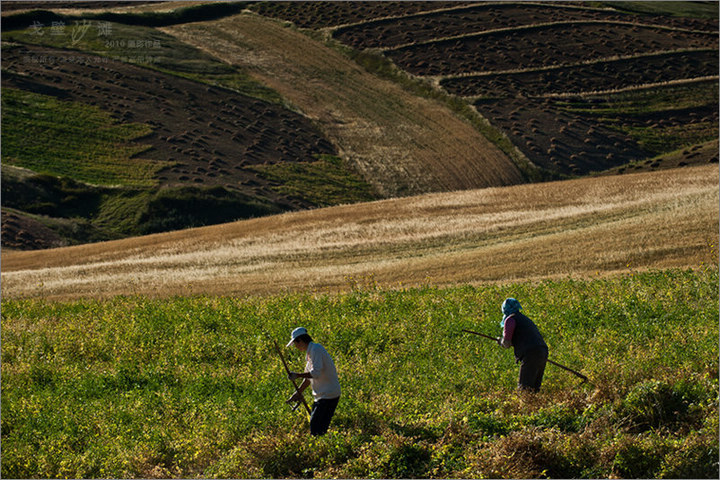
pixel 297 397
pixel 499 341
pixel 293 376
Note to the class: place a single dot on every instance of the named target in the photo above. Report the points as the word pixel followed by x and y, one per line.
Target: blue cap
pixel 509 306
pixel 295 334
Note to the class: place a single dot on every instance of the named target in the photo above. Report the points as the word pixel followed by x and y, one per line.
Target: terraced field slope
pixel 584 227
pixel 238 115
pixel 198 133
pixel 121 130
pixel 214 143
pixel 402 144
pixel 576 89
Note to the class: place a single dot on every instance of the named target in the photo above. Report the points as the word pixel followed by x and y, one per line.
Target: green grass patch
pixel 189 386
pixel 44 134
pixel 667 139
pixel 80 212
pixel 638 113
pixel 647 101
pixel 324 182
pixel 186 207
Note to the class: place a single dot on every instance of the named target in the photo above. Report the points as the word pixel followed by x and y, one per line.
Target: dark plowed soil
pixel 558 141
pixel 599 76
pixel 541 46
pixel 23 233
pixel 575 144
pixel 210 134
pixel 328 14
pixel 462 21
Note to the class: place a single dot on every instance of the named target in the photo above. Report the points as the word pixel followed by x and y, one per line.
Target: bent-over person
pixel 530 349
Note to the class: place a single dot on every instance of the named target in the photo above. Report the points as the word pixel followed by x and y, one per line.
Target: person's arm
pixel 316 364
pixel 508 330
pixel 297 396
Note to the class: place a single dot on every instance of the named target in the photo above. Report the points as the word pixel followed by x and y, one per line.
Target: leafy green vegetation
pixel 327 181
pixel 80 212
pixel 62 138
pixel 186 207
pixel 189 386
pixel 667 99
pixel 640 114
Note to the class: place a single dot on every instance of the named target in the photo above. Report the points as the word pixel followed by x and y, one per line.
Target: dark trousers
pixel 532 369
pixel 322 412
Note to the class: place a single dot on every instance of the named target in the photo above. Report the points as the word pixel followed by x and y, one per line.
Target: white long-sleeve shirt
pixel 320 365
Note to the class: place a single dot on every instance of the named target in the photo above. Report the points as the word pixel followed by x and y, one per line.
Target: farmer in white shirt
pixel 320 373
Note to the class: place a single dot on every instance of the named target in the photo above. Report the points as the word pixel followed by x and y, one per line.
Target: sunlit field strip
pixel 583 227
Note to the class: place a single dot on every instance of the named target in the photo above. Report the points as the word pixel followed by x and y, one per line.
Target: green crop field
pixel 637 113
pixel 63 138
pixel 190 387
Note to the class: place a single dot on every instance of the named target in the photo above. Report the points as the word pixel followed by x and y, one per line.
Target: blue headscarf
pixel 509 306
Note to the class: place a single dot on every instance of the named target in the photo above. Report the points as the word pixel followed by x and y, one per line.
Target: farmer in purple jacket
pixel 530 349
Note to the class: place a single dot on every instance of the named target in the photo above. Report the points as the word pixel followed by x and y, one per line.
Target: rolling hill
pixel 164 138
pixel 127 119
pixel 213 144
pixel 584 227
pixel 401 143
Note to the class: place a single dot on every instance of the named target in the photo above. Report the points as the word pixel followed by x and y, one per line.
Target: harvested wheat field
pixel 585 227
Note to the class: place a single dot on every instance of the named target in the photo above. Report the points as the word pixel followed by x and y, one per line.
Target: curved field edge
pixel 133 387
pixel 584 228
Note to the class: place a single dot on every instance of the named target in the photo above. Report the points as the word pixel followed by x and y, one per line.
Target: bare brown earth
pixel 20 231
pixel 463 19
pixel 537 46
pixel 521 63
pixel 323 14
pixel 209 135
pixel 582 228
pixel 401 143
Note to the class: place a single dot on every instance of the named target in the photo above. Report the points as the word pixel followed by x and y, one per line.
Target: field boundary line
pixel 616 58
pixel 645 86
pixel 380 20
pixel 538 26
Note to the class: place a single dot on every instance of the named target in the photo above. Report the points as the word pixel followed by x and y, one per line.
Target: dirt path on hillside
pixel 401 144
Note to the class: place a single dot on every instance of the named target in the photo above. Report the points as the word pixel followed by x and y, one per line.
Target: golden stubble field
pixel 579 228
